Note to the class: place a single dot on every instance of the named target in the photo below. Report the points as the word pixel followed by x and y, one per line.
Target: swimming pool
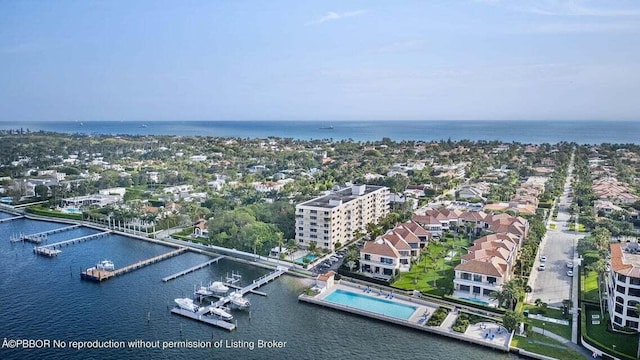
pixel 71 210
pixel 372 304
pixel 481 302
pixel 309 257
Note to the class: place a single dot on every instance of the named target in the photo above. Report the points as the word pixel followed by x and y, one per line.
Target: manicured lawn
pixel 558 329
pixel 624 344
pixel 590 287
pixel 433 274
pixel 540 344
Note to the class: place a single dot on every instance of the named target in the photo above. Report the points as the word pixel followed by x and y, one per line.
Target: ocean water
pixel 45 299
pixel 523 131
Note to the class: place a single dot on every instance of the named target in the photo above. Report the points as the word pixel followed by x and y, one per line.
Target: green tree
pixel 511 319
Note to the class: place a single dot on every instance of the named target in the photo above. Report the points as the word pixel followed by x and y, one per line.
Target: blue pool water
pixel 71 210
pixel 309 257
pixel 476 301
pixel 368 303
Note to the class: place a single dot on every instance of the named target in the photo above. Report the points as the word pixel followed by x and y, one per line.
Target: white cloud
pixel 332 16
pixel 565 8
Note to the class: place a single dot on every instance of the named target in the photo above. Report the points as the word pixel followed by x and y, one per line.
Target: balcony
pixel 487 285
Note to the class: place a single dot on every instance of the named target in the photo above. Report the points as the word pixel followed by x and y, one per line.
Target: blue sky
pixel 319 60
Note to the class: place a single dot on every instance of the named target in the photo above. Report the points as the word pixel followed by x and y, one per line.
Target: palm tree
pixel 599 267
pixel 511 292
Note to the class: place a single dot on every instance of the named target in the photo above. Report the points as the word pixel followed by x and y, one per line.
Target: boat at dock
pixel 221 313
pixel 238 300
pixel 187 304
pixel 105 265
pixel 218 287
pixel 204 291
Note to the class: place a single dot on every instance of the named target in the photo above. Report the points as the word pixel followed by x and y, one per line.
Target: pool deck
pixel 487 334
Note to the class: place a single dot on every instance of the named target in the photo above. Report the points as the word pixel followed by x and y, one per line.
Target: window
pixel 619 309
pixel 621 289
pixel 477 278
pixel 622 278
pixel 300 241
pixel 466 276
pixel 619 300
pixel 634 281
pixel 634 292
pixel 313 211
pixel 491 280
pixel 326 244
pixel 618 320
pixel 300 228
pixel 367 257
pixel 632 324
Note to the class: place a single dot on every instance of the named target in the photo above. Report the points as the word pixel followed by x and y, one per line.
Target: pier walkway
pixel 11 218
pixel 205 319
pixel 50 250
pixel 94 274
pixel 192 269
pixel 254 285
pixel 39 237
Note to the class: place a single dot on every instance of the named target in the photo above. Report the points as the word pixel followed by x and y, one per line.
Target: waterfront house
pixel 623 285
pixel 200 229
pixel 379 259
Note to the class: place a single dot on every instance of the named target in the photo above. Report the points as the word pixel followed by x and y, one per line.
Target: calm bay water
pixel 523 131
pixel 43 298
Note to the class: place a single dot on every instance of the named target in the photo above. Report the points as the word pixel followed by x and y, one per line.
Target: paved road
pixel 553 284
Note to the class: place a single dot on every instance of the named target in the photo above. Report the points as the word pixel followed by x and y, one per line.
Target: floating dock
pixel 199 316
pixel 192 269
pixel 251 291
pixel 94 274
pixel 11 218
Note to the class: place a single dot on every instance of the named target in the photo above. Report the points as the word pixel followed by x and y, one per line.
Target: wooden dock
pixel 205 319
pixel 251 291
pixel 94 274
pixel 192 269
pixel 11 218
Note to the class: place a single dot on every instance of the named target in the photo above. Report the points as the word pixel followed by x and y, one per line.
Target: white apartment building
pixel 623 285
pixel 333 218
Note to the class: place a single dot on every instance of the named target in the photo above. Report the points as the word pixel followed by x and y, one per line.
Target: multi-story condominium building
pixel 623 284
pixel 333 218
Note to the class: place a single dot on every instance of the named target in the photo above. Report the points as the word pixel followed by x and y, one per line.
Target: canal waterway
pixel 44 299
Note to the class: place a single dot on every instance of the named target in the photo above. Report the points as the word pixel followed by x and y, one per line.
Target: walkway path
pixel 576 347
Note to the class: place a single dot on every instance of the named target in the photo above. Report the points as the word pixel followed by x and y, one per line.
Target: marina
pixel 95 274
pixel 192 269
pixel 235 298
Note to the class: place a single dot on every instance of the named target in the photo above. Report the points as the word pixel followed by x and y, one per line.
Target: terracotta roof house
pixel 380 259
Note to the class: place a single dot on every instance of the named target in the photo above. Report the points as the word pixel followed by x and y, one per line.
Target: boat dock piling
pixel 11 218
pixel 200 317
pixel 50 250
pixel 39 237
pixel 192 269
pixel 94 274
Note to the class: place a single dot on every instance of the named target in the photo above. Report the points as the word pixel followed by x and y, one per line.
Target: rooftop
pixel 342 196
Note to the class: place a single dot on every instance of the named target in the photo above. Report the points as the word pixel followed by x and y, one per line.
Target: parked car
pixel 542 267
pixel 543 258
pixel 334 259
pixel 570 273
pixel 570 265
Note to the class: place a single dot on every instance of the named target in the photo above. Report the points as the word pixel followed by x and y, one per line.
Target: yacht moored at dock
pixel 220 312
pixel 187 304
pixel 218 287
pixel 204 291
pixel 238 300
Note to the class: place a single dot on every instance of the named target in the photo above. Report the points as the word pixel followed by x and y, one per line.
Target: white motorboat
pixel 203 291
pixel 187 304
pixel 218 287
pixel 221 313
pixel 238 300
pixel 105 265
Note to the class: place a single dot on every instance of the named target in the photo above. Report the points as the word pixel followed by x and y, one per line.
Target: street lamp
pixel 543 324
pixel 614 347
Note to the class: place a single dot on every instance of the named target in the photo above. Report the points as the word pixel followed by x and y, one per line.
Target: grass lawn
pixel 580 227
pixel 433 268
pixel 558 329
pixel 590 286
pixel 624 344
pixel 540 344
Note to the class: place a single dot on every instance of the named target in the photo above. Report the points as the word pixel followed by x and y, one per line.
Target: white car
pixel 570 273
pixel 543 258
pixel 542 267
pixel 570 265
